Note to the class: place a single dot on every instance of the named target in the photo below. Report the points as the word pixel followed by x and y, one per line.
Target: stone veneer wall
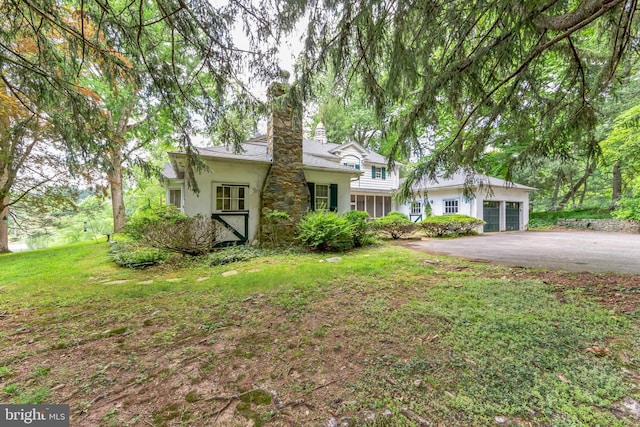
pixel 617 225
pixel 285 187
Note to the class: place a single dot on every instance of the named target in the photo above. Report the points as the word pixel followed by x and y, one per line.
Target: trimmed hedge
pixel 456 224
pixel 395 224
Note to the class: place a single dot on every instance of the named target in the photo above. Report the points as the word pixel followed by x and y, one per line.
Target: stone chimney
pixel 285 187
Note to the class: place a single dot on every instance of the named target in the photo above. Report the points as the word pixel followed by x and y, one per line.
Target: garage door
pixel 491 215
pixel 513 215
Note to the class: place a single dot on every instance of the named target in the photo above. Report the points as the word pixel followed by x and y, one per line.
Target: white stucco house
pixel 232 188
pixel 342 178
pixel 281 171
pixel 503 205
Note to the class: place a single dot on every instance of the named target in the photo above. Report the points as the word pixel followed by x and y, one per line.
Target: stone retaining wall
pixel 618 225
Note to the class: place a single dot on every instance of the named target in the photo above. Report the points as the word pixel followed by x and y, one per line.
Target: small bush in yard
pixel 132 256
pixel 325 231
pixel 187 236
pixel 143 219
pixel 456 224
pixel 395 224
pixel 234 254
pixel 361 228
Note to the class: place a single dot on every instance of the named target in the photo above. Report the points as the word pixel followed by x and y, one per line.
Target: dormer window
pixel 378 173
pixel 351 161
pixel 352 165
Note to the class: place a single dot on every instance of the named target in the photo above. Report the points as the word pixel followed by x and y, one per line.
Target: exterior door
pixel 491 215
pixel 233 228
pixel 513 216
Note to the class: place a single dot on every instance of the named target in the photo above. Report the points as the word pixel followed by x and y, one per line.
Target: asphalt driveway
pixel 554 250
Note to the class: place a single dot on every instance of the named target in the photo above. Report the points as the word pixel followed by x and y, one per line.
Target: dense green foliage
pixel 323 230
pixel 454 225
pixel 395 225
pixel 362 233
pixel 148 218
pixel 628 209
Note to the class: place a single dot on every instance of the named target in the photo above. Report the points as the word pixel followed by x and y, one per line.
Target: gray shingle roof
pixel 252 152
pixel 168 171
pixel 460 178
pixel 315 155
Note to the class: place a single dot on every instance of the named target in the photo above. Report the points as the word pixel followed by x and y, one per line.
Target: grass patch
pixel 455 342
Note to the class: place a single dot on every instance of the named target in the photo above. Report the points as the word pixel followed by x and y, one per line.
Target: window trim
pixel 332 196
pixel 378 172
pixel 446 209
pixel 416 204
pixel 233 196
pixel 171 199
pixel 322 199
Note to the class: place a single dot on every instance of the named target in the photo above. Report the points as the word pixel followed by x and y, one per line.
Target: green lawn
pixel 295 340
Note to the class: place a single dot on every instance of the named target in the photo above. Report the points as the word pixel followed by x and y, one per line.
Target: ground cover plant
pixel 383 333
pixel 550 219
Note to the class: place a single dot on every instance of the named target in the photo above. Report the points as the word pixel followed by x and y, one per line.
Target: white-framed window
pixel 230 197
pixel 175 197
pixel 378 173
pixel 451 206
pixel 322 196
pixel 416 208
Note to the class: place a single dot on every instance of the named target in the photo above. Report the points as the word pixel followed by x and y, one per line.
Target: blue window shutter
pixel 358 166
pixel 384 173
pixel 333 197
pixel 373 172
pixel 312 195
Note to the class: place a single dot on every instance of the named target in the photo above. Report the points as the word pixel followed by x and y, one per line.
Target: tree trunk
pixel 616 185
pixel 556 190
pixel 574 189
pixel 4 213
pixel 117 197
pixel 115 172
pixel 4 228
pixel 584 193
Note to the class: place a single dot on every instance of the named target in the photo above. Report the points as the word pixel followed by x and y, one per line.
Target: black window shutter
pixel 312 195
pixel 333 197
